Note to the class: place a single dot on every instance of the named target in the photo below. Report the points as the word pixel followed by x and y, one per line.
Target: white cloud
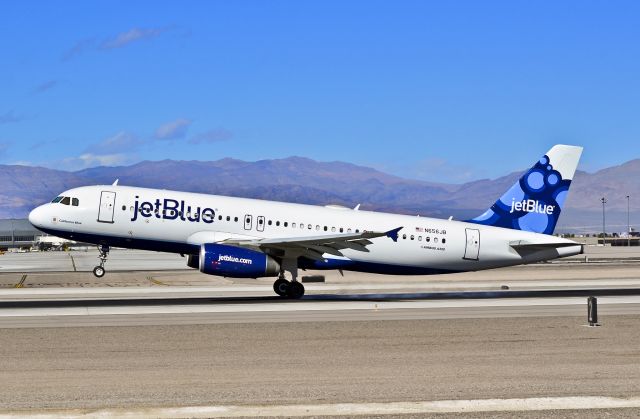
pixel 43 87
pixel 212 136
pixel 122 141
pixel 441 170
pixel 79 48
pixel 130 36
pixel 92 160
pixel 173 130
pixel 9 117
pixel 118 41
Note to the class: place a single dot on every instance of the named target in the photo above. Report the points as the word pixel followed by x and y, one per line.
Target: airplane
pixel 251 238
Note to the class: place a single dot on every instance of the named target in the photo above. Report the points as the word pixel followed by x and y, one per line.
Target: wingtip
pixel 393 234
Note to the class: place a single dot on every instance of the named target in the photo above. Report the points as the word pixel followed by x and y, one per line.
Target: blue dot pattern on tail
pixel 533 204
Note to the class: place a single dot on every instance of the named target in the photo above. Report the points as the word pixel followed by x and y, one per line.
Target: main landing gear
pixel 289 289
pixel 99 271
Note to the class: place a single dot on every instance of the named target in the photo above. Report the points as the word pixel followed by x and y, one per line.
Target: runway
pixel 174 343
pixel 180 305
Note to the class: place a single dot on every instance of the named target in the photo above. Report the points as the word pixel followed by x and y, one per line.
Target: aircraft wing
pixel 314 247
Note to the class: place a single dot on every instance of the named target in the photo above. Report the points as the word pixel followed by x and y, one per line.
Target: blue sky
pixel 442 91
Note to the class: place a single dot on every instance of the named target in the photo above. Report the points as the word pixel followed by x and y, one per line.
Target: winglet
pixel 393 234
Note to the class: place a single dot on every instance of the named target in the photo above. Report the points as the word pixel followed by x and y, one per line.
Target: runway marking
pixel 344 409
pixel 73 263
pixel 156 282
pixel 21 283
pixel 88 310
pixel 431 286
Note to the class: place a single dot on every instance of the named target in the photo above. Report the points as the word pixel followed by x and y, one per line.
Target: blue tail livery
pixel 535 201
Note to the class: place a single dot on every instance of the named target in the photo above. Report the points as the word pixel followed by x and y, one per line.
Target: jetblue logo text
pixel 227 258
pixel 171 209
pixel 531 205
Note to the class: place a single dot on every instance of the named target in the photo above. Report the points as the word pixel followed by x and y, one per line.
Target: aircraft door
pixel 260 226
pixel 107 206
pixel 472 248
pixel 248 222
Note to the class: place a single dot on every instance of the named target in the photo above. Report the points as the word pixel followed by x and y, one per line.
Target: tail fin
pixel 534 203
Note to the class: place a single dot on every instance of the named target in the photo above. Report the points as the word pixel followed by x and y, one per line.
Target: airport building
pixel 17 233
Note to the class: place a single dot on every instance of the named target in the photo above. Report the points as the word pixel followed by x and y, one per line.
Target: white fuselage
pixel 180 222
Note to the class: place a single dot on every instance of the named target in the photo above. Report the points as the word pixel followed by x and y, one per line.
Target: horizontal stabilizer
pixel 523 245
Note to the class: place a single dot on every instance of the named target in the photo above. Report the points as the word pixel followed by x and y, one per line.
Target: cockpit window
pixel 56 200
pixel 75 202
pixel 66 201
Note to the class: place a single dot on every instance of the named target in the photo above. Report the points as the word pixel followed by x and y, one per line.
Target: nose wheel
pixel 99 270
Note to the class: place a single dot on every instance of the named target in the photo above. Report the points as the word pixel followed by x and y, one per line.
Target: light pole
pixel 604 234
pixel 628 225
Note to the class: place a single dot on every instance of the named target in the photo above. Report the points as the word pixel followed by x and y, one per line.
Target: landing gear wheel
pixel 295 290
pixel 281 286
pixel 98 271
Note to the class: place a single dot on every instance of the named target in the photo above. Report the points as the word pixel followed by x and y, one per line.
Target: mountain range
pixel 298 179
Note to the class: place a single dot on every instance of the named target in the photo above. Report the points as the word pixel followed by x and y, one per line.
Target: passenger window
pixel 333 229
pixel 341 229
pixel 278 223
pixel 326 228
pixel 427 239
pixel 269 222
pixel 228 218
pixel 66 200
pixel 357 231
pixel 419 238
pixel 444 241
pixel 412 237
pixel 309 227
pixel 317 228
pixel 404 237
pixel 293 225
pixel 219 217
pixel 235 219
pixel 435 240
pixel 286 224
pixel 349 231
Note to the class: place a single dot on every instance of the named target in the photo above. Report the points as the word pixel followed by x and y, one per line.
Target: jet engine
pixel 233 262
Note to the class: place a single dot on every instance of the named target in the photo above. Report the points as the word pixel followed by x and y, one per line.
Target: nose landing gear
pixel 99 270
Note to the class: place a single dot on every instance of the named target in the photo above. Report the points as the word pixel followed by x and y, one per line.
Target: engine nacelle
pixel 233 262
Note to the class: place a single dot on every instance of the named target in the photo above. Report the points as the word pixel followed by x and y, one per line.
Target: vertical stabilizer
pixel 535 201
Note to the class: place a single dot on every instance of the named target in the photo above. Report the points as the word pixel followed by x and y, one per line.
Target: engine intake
pixel 233 262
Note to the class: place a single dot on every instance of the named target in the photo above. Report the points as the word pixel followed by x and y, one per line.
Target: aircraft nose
pixel 37 216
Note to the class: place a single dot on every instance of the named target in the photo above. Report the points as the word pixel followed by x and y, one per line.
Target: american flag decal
pixel 419 230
